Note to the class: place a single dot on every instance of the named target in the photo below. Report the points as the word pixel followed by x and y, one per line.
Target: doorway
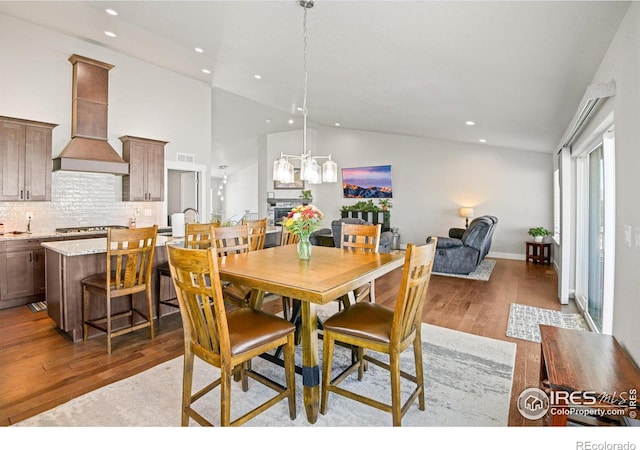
pixel 184 189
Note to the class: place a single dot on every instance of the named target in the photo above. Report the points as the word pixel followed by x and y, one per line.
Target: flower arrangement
pixel 302 221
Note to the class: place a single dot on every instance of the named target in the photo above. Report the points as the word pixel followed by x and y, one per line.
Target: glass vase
pixel 304 248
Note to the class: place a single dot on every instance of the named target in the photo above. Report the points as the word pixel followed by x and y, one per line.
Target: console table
pixel 584 362
pixel 538 252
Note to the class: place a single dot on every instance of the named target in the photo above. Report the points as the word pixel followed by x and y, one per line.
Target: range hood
pixel 89 149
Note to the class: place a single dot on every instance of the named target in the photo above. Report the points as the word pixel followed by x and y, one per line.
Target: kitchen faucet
pixel 195 211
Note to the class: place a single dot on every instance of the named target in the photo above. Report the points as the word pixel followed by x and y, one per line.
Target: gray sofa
pixel 464 250
pixel 336 227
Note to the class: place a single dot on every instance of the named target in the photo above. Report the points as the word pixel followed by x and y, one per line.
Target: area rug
pixel 524 320
pixel 468 383
pixel 482 272
pixel 37 306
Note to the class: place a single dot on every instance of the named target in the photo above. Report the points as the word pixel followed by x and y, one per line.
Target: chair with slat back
pixel 128 272
pixel 227 340
pixel 369 326
pixel 196 235
pixel 287 238
pixel 257 233
pixel 365 238
pixel 233 240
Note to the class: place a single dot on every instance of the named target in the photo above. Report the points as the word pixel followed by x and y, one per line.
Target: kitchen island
pixel 67 263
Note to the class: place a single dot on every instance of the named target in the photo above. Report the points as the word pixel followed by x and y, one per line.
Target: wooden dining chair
pixel 196 235
pixel 287 238
pixel 257 233
pixel 227 340
pixel 369 326
pixel 364 238
pixel 128 272
pixel 227 241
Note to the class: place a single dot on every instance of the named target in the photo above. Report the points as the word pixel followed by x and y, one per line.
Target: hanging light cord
pixel 305 6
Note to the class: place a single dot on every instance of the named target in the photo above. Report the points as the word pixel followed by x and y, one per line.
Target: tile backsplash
pixel 80 199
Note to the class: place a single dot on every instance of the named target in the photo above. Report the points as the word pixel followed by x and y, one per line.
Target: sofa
pixel 336 228
pixel 464 250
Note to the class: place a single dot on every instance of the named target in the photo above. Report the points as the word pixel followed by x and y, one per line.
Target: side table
pixel 538 252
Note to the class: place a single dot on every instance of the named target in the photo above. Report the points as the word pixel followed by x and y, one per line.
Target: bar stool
pixel 196 235
pixel 129 260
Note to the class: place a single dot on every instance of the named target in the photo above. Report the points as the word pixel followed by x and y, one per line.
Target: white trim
pixel 514 256
pixel 563 251
pixel 608 142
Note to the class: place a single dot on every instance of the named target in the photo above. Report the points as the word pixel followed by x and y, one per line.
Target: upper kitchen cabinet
pixel 25 160
pixel 145 181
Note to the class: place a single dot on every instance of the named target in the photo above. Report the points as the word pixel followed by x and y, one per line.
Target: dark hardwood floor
pixel 41 368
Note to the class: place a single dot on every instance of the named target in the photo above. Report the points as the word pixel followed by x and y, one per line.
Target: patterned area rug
pixel 524 321
pixel 482 273
pixel 460 369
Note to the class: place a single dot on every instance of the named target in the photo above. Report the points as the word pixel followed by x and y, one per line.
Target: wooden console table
pixel 590 363
pixel 538 252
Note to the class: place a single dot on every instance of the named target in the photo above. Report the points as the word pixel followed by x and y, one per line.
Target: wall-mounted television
pixel 367 182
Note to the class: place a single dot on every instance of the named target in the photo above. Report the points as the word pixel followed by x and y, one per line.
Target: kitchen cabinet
pixel 22 272
pixel 145 181
pixel 25 160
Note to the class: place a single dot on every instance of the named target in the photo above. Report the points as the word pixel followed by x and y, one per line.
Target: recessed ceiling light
pixel 299 108
pixel 198 50
pixel 290 121
pixel 207 71
pixel 110 33
pixel 470 123
pixel 482 140
pixel 111 12
pixel 268 121
pixel 257 76
pixel 337 124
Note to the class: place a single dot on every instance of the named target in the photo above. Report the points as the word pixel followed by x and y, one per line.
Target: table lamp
pixel 466 213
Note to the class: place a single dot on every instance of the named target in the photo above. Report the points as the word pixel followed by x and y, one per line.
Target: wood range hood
pixel 89 149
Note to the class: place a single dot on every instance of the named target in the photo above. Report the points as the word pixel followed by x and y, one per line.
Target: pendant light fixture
pixel 310 170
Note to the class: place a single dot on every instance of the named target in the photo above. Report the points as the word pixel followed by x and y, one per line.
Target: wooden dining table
pixel 330 274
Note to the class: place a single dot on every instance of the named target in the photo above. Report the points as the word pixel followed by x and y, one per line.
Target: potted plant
pixel 539 233
pixel 306 197
pixel 385 204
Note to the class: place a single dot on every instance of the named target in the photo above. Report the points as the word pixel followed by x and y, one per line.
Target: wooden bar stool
pixel 129 260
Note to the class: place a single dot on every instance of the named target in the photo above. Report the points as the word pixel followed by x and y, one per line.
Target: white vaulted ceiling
pixel 419 68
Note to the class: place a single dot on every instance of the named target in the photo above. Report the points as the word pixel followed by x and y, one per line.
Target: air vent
pixel 186 157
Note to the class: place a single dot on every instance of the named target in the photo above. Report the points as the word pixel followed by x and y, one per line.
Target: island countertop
pixel 89 246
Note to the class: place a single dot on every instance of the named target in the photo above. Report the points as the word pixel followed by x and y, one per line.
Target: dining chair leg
pixel 225 396
pixel 187 383
pixel 327 363
pixel 108 324
pixel 290 374
pixel 396 401
pixel 417 351
pixel 243 376
pixel 85 313
pixel 360 356
pixel 152 331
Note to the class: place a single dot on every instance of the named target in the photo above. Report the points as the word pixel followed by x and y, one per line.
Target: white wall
pixel 241 192
pixel 144 101
pixel 622 64
pixel 432 179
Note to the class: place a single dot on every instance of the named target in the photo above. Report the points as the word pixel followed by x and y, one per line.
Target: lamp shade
pixel 466 212
pixel 329 171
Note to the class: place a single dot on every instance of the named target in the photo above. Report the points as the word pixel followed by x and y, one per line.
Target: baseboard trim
pixel 516 256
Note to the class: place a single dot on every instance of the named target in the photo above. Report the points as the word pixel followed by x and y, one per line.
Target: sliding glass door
pixel 596 233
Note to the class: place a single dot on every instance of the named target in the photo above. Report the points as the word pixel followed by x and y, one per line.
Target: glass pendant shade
pixel 287 174
pixel 316 176
pixel 329 172
pixel 306 169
